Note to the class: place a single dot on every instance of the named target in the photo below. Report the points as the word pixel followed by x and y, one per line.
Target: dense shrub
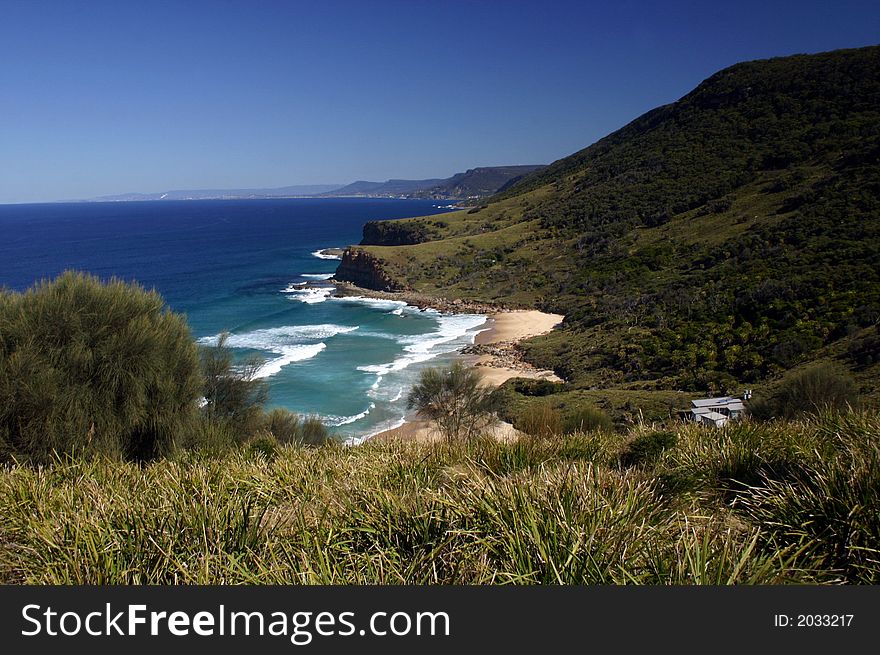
pixel 91 367
pixel 814 389
pixel 540 420
pixel 313 432
pixel 646 449
pixel 587 419
pixel 264 445
pixel 529 387
pixel 865 351
pixel 285 426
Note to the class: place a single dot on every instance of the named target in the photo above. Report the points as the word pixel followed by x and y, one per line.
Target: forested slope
pixel 713 242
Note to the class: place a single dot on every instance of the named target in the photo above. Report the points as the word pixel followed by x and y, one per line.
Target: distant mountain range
pixel 383 189
pixel 230 194
pixel 474 183
pixel 479 182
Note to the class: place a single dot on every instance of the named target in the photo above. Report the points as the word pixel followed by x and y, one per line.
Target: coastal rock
pixel 420 300
pixel 363 269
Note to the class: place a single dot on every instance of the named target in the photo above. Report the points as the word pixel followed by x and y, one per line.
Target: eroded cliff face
pixel 365 270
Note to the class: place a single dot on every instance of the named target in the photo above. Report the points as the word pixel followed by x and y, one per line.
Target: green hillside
pixel 710 244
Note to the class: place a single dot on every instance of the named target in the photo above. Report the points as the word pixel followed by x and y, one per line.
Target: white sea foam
pixel 378 303
pixel 289 354
pixel 284 342
pixel 308 295
pixel 422 347
pixel 321 255
pixel 336 421
pixel 317 276
pixel 382 427
pixel 286 335
pixel 391 425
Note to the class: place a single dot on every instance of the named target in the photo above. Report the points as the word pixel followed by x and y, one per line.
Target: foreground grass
pixel 752 503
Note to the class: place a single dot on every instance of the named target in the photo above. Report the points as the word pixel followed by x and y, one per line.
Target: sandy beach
pixel 496 358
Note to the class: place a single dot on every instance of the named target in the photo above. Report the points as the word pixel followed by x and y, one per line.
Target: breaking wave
pixel 285 342
pixel 320 254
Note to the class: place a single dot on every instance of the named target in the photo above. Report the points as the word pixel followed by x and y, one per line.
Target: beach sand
pixel 496 359
pixel 425 432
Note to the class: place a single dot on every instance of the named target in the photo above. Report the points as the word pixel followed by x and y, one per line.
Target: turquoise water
pixel 242 267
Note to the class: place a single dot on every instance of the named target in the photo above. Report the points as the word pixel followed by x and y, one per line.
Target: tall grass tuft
pixel 540 419
pixel 831 506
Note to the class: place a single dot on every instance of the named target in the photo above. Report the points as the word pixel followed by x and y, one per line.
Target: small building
pixel 716 411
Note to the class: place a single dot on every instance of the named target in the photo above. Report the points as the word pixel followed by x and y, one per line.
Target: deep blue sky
pixel 109 97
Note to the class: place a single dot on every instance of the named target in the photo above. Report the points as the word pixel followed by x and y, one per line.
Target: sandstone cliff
pixel 363 269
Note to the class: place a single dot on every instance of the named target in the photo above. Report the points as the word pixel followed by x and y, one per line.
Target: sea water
pixel 253 268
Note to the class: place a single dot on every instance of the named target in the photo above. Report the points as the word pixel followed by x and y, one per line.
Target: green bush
pixel 209 436
pixel 314 433
pixel 264 445
pixel 89 367
pixel 232 391
pixel 284 425
pixel 646 449
pixel 290 428
pixel 529 387
pixel 815 389
pixel 455 400
pixel 588 419
pixel 540 420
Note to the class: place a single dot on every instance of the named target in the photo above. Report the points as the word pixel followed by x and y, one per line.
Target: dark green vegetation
pixel 86 368
pixel 708 246
pixel 750 503
pixel 811 389
pixel 92 369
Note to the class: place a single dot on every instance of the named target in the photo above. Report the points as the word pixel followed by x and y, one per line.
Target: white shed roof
pixel 715 402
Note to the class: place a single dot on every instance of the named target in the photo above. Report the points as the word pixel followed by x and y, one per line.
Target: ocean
pixel 238 266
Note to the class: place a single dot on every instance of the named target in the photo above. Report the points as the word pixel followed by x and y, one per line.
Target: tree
pixel 454 400
pixel 90 367
pixel 233 393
